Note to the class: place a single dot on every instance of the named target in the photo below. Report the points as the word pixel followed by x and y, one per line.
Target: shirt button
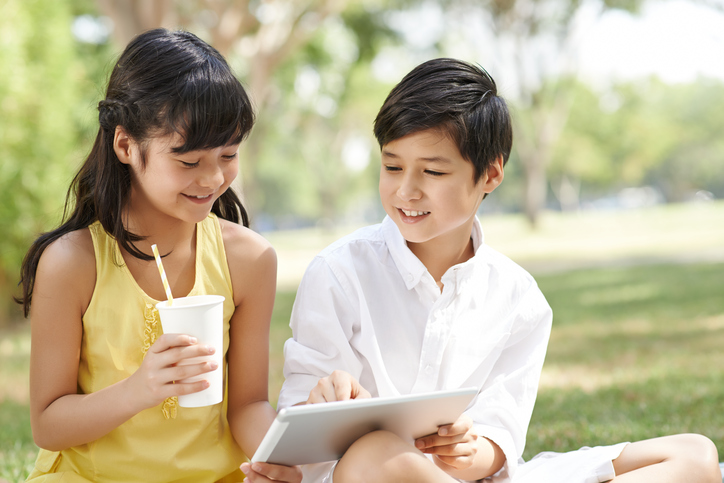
pixel 409 278
pixel 428 370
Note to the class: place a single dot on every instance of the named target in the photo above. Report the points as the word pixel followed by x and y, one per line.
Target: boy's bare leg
pixel 683 458
pixel 382 457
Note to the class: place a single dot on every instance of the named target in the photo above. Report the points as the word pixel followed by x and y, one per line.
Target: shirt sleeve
pixel 503 408
pixel 323 322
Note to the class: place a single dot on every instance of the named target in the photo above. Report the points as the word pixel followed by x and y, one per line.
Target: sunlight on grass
pixel 627 367
pixel 635 351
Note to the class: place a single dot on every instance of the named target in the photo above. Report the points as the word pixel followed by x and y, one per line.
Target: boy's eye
pixel 230 157
pixel 392 168
pixel 190 165
pixel 434 173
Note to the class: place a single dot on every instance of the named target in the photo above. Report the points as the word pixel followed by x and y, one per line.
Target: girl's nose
pixel 212 177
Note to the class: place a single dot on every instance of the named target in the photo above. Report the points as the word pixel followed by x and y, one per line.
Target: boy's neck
pixel 441 253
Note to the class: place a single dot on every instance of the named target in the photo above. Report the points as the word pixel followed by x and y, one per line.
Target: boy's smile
pixel 428 188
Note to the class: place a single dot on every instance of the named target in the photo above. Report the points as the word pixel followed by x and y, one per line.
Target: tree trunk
pixel 536 187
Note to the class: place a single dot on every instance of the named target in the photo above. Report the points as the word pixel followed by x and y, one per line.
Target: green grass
pixel 635 353
pixel 636 347
pixel 17 450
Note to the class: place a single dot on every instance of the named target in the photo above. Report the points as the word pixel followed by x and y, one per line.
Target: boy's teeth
pixel 415 213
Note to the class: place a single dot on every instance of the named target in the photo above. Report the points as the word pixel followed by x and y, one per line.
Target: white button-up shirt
pixel 367 305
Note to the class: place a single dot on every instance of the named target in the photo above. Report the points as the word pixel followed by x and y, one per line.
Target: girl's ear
pixel 493 175
pixel 122 145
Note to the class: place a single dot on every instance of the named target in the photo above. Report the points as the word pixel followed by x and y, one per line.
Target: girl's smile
pixel 200 199
pixel 180 186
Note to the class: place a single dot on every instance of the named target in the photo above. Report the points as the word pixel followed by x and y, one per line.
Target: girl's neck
pixel 177 244
pixel 161 230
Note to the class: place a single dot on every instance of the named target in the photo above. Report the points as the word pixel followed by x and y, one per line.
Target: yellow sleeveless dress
pixel 166 443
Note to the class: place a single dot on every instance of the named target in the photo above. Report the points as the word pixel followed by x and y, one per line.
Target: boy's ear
pixel 493 175
pixel 122 145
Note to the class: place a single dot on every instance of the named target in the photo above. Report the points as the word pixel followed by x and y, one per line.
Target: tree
pixel 531 46
pixel 262 35
pixel 40 91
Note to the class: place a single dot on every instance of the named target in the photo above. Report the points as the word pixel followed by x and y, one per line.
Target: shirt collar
pixel 409 266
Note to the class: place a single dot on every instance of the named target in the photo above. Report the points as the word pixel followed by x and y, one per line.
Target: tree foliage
pixel 643 133
pixel 38 95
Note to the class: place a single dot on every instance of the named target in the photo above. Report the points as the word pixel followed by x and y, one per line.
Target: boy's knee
pixel 702 454
pixel 379 456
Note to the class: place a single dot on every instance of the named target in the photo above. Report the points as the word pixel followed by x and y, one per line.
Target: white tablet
pixel 323 432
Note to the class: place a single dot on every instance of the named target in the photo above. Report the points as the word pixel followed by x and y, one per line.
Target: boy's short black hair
pixel 457 97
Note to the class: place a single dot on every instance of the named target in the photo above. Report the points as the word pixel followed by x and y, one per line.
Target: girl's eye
pixel 230 157
pixel 190 165
pixel 434 173
pixel 392 168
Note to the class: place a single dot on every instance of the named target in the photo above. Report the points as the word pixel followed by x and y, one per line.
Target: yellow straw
pixel 163 274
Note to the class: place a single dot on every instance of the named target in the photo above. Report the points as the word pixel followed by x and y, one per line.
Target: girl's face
pixel 182 186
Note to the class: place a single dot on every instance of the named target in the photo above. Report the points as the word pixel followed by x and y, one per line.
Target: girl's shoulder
pixel 68 264
pixel 73 250
pixel 242 242
pixel 250 256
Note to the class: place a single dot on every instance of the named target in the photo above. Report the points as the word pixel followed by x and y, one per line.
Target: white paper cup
pixel 200 316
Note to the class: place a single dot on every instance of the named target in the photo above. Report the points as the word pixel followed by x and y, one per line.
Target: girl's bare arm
pixel 60 417
pixel 252 264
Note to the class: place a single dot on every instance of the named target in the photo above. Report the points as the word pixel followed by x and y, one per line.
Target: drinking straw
pixel 163 274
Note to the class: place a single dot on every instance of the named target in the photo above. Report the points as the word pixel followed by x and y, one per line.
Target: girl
pixel 103 398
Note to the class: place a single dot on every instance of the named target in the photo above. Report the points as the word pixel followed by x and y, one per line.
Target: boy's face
pixel 427 187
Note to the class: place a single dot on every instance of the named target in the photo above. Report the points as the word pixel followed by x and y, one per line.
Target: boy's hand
pixel 454 445
pixel 338 386
pixel 256 472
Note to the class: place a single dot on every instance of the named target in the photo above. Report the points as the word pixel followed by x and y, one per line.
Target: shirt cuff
pixel 504 440
pixel 296 389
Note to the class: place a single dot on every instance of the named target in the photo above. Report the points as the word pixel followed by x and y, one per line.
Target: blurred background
pixel 611 196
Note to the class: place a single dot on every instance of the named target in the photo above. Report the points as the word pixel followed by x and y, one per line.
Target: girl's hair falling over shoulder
pixel 164 82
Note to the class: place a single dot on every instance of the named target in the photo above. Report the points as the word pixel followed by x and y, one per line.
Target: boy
pixel 419 303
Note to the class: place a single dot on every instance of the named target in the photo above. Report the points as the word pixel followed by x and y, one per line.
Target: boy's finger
pixel 277 472
pixel 456 450
pixel 324 391
pixel 461 426
pixel 359 392
pixel 342 390
pixel 434 440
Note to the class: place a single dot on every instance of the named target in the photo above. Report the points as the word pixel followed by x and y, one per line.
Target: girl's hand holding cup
pixel 161 373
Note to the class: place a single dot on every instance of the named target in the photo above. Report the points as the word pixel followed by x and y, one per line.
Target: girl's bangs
pixel 211 110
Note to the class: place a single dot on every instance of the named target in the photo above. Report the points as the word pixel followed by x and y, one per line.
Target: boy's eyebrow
pixel 436 159
pixel 428 159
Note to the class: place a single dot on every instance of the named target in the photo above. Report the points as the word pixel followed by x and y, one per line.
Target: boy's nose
pixel 409 189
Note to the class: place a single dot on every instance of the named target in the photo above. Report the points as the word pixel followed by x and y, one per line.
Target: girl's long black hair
pixel 164 82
